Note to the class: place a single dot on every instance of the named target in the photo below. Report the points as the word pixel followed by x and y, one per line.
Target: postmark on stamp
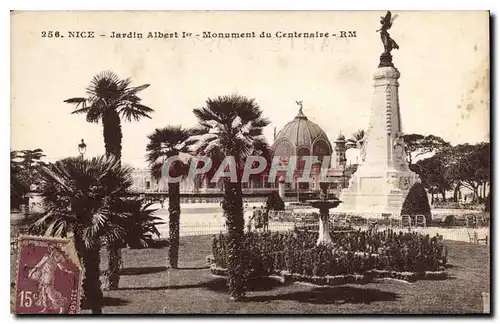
pixel 49 276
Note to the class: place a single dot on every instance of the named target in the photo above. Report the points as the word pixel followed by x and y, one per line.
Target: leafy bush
pixel 417 202
pixel 274 202
pixel 352 253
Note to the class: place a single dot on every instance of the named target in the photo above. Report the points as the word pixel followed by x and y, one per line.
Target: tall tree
pixel 165 143
pixel 417 145
pixel 470 164
pixel 108 99
pixel 232 125
pixel 25 168
pixel 83 200
pixel 432 172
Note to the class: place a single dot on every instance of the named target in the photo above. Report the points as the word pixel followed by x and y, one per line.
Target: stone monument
pixel 383 179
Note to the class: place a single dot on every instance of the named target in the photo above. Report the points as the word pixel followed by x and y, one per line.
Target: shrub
pixel 417 202
pixel 274 202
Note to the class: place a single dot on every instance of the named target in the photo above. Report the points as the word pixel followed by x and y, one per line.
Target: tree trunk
pixel 90 259
pixel 455 193
pixel 112 133
pixel 233 211
pixel 174 209
pixel 324 229
pixel 112 274
pixel 474 194
pixel 432 198
pixel 443 193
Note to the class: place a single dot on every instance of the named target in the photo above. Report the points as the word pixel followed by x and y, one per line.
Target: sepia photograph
pixel 250 162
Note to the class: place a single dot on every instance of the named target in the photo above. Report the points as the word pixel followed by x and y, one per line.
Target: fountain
pixel 324 205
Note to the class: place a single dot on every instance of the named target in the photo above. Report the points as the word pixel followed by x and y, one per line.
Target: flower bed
pixel 352 252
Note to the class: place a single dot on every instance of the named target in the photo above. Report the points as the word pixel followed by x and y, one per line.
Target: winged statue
pixel 389 43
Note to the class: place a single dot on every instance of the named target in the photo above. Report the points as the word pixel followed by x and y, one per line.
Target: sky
pixel 443 60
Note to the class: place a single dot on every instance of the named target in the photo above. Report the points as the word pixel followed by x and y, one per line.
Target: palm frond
pixel 76 100
pixel 164 143
pixel 231 125
pixel 107 91
pixel 82 195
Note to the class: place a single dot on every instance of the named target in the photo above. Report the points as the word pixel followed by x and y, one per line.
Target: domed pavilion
pixel 302 137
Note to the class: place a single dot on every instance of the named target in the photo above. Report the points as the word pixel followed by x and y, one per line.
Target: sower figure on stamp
pixel 43 272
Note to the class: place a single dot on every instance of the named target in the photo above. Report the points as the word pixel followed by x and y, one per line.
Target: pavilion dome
pixel 301 137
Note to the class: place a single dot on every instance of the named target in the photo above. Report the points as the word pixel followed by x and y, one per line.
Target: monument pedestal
pixel 382 181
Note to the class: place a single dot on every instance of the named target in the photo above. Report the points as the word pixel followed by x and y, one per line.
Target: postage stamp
pixel 49 276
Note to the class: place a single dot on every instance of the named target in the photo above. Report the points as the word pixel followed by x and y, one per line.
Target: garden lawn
pixel 147 286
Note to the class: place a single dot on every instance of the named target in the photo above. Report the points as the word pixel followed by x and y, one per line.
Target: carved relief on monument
pixel 404 183
pixel 398 150
pixel 393 181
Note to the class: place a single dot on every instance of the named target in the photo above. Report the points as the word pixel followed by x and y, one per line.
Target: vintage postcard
pixel 264 162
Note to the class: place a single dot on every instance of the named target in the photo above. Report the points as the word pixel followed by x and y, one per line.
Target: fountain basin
pixel 324 205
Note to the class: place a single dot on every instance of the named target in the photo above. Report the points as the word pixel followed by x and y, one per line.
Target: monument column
pixel 383 143
pixel 382 181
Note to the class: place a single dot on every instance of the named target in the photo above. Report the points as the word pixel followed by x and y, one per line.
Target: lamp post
pixel 82 148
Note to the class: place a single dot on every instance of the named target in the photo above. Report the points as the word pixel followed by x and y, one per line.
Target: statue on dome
pixel 300 103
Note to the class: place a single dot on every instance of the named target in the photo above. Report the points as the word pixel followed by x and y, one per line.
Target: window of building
pixel 148 185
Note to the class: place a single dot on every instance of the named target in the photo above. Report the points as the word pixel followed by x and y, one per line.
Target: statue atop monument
pixel 389 43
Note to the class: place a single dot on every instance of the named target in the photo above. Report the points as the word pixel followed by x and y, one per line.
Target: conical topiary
pixel 274 202
pixel 417 203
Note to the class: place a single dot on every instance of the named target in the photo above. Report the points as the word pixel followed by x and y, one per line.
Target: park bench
pixel 471 221
pixel 420 220
pixel 406 221
pixel 475 239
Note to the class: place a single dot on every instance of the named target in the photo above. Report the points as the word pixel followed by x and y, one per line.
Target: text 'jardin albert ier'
pixel 253 34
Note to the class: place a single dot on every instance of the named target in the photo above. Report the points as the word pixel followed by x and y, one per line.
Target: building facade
pixel 300 137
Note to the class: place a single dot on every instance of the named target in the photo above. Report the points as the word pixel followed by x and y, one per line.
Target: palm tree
pixel 231 126
pixel 140 223
pixel 109 99
pixel 31 158
pixel 357 141
pixel 164 143
pixel 84 199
